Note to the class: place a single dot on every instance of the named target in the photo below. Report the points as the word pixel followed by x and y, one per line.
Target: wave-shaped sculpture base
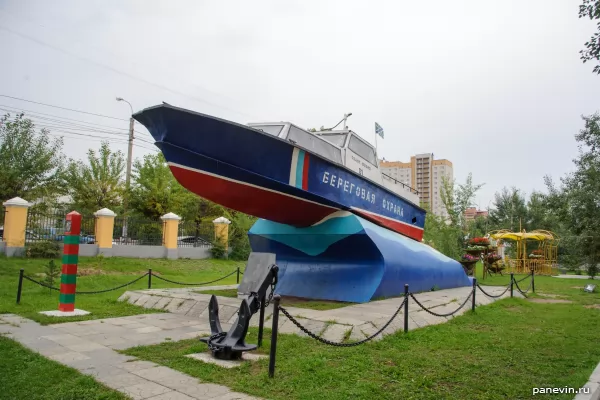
pixel 347 258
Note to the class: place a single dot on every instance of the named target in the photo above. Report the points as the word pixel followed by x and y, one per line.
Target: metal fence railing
pixel 50 226
pixel 195 234
pixel 138 232
pixel 3 216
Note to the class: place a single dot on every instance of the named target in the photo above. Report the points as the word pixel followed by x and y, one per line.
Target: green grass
pixel 501 351
pixel 567 289
pixel 28 375
pixel 98 273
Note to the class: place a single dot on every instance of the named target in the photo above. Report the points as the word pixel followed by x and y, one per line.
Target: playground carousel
pixel 541 257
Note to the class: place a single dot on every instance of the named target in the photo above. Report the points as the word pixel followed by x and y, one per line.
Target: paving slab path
pixel 358 321
pixel 90 347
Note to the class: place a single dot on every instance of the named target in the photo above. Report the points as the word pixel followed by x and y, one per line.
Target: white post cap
pixel 17 202
pixel 170 216
pixel 105 212
pixel 221 220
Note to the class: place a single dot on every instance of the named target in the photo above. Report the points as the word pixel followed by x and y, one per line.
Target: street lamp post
pixel 128 173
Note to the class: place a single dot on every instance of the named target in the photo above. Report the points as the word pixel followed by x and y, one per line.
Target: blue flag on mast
pixel 378 129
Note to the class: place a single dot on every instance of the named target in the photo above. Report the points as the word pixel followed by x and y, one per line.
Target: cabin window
pixel 362 149
pixel 315 144
pixel 339 139
pixel 274 130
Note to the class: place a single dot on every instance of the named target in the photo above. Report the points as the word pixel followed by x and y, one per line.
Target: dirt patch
pixel 576 287
pixel 596 306
pixel 550 301
pixel 554 296
pixel 98 272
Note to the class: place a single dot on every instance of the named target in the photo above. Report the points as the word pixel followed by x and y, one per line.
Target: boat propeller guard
pixel 230 345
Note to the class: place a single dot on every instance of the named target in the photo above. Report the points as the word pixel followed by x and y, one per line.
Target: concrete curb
pixel 594 384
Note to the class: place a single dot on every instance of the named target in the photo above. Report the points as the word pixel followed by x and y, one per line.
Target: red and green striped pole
pixel 68 279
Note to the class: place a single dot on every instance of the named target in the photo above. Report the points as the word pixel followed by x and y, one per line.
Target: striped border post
pixel 68 279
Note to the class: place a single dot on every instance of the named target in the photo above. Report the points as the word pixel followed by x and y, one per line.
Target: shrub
pixel 217 250
pixel 52 273
pixel 592 270
pixel 240 249
pixel 45 249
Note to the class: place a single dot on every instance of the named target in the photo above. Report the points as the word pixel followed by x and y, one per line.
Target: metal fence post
pixel 261 319
pixel 149 278
pixel 406 308
pixel 512 279
pixel 238 275
pixel 20 286
pixel 474 291
pixel 276 300
pixel 532 281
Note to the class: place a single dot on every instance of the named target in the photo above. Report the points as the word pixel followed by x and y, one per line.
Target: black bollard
pixel 512 279
pixel 532 281
pixel 149 278
pixel 20 286
pixel 261 320
pixel 238 279
pixel 474 291
pixel 276 300
pixel 405 308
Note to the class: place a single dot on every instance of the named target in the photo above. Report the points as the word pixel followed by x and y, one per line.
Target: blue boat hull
pixel 262 175
pixel 347 258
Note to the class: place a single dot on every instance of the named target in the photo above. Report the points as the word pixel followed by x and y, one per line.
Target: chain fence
pixel 404 303
pixel 492 295
pixel 428 310
pixel 523 292
pixel 337 344
pixel 193 284
pixel 148 274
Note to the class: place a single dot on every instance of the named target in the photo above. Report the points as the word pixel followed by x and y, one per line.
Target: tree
pixel 154 190
pixel 238 234
pixel 442 236
pixel 447 234
pixel 539 215
pixel 478 227
pixel 31 165
pixel 457 197
pixel 576 203
pixel 98 183
pixel 510 210
pixel 591 10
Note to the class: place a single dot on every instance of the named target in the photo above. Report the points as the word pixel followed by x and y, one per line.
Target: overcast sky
pixel 496 87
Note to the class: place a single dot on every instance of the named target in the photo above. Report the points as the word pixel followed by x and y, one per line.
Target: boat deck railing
pixel 411 189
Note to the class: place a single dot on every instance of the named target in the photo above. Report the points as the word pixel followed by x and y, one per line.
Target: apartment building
pixel 425 174
pixel 472 213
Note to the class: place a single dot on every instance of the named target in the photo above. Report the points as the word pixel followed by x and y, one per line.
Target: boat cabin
pixel 342 147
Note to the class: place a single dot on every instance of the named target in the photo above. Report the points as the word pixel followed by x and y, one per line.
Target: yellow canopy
pixel 535 235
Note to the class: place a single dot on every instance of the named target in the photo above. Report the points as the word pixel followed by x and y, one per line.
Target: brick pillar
pixel 222 230
pixel 105 223
pixel 68 279
pixel 170 233
pixel 15 223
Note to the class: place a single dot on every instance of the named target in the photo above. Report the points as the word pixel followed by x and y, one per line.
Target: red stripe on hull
pixel 411 231
pixel 252 200
pixel 305 171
